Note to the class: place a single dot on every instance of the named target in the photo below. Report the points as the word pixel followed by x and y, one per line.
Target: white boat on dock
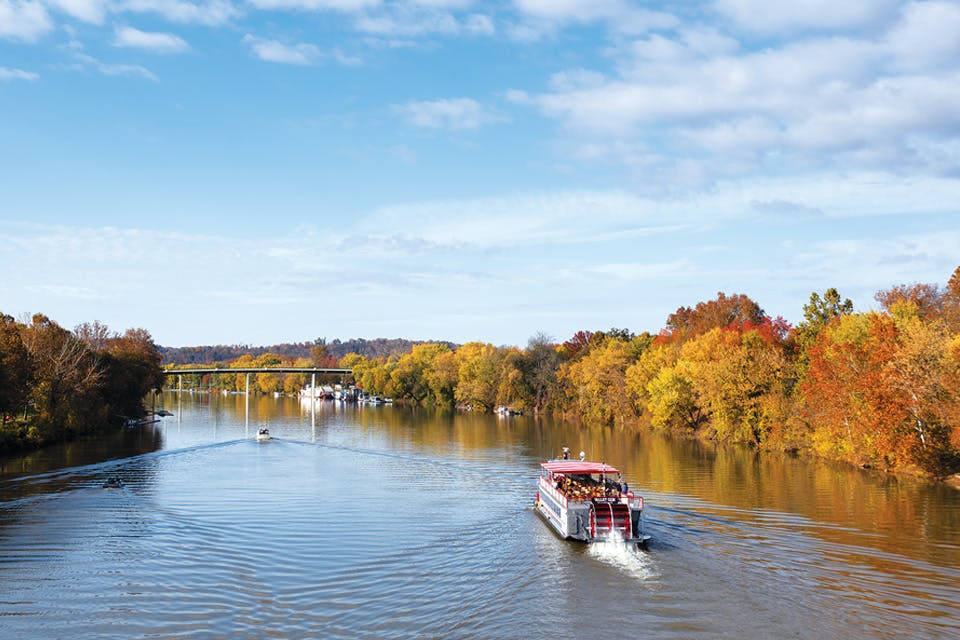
pixel 587 501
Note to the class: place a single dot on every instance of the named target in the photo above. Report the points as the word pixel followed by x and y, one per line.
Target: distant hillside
pixel 379 347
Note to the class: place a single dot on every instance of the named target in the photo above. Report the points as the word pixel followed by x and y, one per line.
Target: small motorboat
pixel 263 434
pixel 113 482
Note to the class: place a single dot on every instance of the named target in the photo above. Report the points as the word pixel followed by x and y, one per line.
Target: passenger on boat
pixel 566 453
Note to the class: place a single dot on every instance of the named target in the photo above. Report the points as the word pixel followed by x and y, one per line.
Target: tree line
pixel 375 348
pixel 877 388
pixel 57 384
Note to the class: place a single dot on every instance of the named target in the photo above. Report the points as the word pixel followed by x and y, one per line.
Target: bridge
pixel 174 371
pixel 313 371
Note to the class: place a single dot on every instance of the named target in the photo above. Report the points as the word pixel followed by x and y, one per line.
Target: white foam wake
pixel 624 556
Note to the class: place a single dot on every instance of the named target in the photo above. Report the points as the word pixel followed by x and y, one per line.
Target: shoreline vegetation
pixel 876 389
pixel 58 385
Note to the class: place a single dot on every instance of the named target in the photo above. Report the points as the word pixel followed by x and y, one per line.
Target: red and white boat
pixel 587 501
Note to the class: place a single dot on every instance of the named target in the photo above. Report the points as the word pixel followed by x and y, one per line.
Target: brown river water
pixel 391 522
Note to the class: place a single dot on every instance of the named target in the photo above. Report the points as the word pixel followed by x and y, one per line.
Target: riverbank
pixel 19 436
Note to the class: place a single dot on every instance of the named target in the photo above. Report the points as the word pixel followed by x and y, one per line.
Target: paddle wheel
pixel 608 517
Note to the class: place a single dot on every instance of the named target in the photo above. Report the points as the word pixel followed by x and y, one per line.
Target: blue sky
pixel 258 171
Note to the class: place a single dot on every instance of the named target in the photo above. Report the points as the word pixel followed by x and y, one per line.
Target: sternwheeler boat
pixel 587 501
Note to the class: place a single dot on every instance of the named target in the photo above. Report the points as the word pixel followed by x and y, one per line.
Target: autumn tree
pixel 724 311
pixel 537 369
pixel 477 375
pixel 269 382
pixel 925 374
pixel 817 314
pixel 410 375
pixel 594 384
pixel 320 355
pixel 16 373
pixel 926 298
pixel 738 379
pixel 442 377
pixel 67 378
pixel 855 414
pixel 576 345
pixel 951 302
pixel 95 335
pixel 131 364
pixel 294 382
pixel 664 390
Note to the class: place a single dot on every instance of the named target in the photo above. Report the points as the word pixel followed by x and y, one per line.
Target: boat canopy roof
pixel 577 467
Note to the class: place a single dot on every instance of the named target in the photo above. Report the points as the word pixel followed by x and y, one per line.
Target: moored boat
pixel 587 501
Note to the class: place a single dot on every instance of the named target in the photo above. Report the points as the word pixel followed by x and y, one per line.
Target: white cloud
pixel 444 4
pixel 23 20
pixel 768 17
pixel 450 113
pixel 583 217
pixel 113 69
pixel 559 217
pixel 7 73
pixel 405 23
pixel 928 36
pixel 273 51
pixel 693 107
pixel 92 11
pixel 637 271
pixel 65 291
pixel 345 6
pixel 418 18
pixel 479 24
pixel 543 16
pixel 156 42
pixel 873 264
pixel 209 13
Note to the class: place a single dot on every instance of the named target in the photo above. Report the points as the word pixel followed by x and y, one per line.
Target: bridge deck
pixel 214 370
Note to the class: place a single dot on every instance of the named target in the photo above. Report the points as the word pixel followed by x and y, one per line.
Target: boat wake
pixel 625 557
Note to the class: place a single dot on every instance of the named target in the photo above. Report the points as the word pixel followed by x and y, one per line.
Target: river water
pixel 391 522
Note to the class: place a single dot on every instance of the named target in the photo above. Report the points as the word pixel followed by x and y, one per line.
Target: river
pixel 392 522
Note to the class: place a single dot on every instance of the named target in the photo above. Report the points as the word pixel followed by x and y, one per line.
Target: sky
pixel 265 171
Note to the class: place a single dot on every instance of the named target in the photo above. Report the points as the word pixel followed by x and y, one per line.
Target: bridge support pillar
pixel 313 402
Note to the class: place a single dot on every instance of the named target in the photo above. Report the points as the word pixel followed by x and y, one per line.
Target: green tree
pixel 817 314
